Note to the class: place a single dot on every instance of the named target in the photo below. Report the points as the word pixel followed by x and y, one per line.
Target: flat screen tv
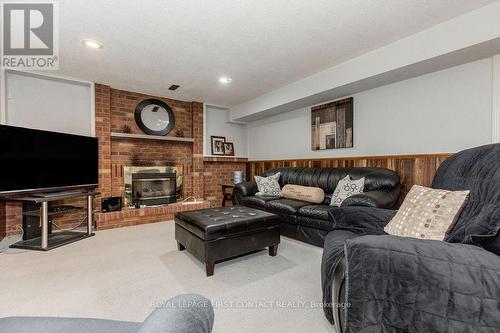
pixel 41 161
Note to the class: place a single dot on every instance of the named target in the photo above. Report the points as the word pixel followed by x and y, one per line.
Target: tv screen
pixel 36 161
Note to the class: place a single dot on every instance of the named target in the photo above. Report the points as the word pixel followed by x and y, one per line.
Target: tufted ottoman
pixel 220 233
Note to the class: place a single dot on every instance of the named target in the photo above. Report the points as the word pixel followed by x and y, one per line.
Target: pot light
pixel 91 44
pixel 225 80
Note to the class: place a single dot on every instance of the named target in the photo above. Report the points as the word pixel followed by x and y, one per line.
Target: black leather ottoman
pixel 221 233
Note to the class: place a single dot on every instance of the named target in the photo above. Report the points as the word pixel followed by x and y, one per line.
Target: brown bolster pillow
pixel 303 193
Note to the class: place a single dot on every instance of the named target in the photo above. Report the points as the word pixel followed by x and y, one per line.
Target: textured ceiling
pixel 261 45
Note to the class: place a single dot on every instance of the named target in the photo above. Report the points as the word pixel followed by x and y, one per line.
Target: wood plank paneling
pixel 413 169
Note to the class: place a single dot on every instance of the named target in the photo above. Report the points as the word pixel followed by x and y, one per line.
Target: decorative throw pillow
pixel 345 188
pixel 427 213
pixel 303 193
pixel 269 186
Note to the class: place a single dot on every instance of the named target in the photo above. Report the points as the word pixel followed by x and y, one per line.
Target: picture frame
pixel 228 149
pixel 217 143
pixel 332 125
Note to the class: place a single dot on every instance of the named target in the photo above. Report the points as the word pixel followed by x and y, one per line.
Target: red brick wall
pixel 217 173
pixel 103 133
pixel 13 217
pixel 114 109
pixel 131 152
pixel 123 104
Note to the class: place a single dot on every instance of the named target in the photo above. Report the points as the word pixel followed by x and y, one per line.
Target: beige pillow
pixel 427 213
pixel 303 193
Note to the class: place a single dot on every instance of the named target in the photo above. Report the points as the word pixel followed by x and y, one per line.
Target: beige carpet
pixel 120 273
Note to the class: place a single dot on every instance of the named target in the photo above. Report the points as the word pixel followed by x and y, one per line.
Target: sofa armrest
pixel 377 198
pixel 184 313
pixel 244 189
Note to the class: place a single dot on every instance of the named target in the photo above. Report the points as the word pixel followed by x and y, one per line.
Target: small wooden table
pixel 227 193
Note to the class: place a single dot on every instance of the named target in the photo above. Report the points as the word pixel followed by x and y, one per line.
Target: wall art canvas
pixel 332 125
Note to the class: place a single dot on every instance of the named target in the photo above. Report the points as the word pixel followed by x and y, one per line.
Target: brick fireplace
pixel 114 115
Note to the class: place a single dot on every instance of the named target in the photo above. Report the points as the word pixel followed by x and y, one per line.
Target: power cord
pixel 194 199
pixel 83 220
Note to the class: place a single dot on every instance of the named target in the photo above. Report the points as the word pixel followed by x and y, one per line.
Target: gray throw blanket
pixel 348 223
pixel 397 284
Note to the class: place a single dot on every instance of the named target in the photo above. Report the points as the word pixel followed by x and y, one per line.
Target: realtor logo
pixel 29 38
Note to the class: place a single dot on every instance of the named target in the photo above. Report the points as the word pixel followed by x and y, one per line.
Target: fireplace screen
pixel 139 190
pixel 153 188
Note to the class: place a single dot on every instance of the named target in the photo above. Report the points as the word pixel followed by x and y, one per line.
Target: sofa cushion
pixel 315 223
pixel 73 325
pixel 287 218
pixel 477 170
pixel 256 201
pixel 346 188
pixel 427 213
pixel 285 206
pixel 268 185
pixel 316 211
pixel 303 193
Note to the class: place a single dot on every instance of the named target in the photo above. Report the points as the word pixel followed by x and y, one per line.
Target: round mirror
pixel 154 117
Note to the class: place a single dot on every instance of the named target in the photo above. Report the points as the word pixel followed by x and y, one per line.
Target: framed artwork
pixel 228 149
pixel 217 145
pixel 332 125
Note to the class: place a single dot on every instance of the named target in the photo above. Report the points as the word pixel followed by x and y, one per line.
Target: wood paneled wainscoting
pixel 413 169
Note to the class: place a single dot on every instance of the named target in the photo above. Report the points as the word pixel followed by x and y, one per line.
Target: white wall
pixel 468 37
pixel 49 103
pixel 217 124
pixel 441 112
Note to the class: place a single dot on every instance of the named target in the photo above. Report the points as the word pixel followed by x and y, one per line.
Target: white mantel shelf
pixel 149 137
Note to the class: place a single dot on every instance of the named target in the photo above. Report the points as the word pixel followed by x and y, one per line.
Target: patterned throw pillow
pixel 269 186
pixel 427 213
pixel 345 188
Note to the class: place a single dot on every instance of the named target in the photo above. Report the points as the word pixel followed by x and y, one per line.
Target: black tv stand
pixel 50 241
pixel 51 194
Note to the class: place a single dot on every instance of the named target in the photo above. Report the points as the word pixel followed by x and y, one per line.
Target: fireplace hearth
pixel 153 188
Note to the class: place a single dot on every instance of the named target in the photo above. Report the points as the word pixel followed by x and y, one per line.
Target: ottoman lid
pixel 213 223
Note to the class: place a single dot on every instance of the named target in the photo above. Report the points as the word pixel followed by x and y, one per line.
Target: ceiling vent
pixel 173 87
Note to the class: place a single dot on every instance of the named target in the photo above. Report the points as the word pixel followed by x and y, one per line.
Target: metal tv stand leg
pixel 44 216
pixel 90 210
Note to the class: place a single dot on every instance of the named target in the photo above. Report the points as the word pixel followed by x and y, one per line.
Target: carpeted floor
pixel 120 274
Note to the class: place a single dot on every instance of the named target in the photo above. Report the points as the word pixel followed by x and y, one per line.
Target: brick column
pixel 198 181
pixel 103 133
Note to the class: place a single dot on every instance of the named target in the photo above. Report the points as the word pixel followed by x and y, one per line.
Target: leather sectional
pixel 308 222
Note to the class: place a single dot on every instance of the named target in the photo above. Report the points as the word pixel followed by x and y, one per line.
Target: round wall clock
pixel 154 117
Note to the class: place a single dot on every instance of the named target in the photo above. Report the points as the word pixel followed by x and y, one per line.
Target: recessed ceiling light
pixel 225 80
pixel 91 43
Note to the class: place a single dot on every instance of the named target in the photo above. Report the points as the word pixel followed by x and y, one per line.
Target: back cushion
pixel 328 178
pixel 477 170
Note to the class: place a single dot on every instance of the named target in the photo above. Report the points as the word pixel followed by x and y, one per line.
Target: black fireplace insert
pixel 153 188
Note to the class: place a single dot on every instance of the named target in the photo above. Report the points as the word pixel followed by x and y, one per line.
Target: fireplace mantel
pixel 149 137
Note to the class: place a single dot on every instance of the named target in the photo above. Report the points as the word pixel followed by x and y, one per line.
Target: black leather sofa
pixel 308 222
